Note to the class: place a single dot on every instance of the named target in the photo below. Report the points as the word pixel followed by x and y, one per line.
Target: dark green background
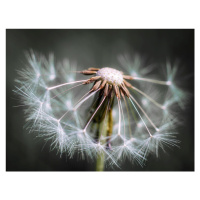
pixel 95 48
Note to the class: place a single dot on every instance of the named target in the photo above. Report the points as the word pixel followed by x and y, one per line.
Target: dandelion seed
pixel 112 120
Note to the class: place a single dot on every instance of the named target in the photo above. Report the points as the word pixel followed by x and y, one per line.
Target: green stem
pixel 105 130
pixel 100 162
pixel 102 133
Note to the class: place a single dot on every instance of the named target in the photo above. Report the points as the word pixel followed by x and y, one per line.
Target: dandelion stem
pixel 103 133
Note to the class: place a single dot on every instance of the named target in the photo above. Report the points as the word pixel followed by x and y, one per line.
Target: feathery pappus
pixel 120 112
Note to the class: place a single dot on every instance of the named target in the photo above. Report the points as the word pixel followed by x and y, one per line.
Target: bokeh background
pixel 88 48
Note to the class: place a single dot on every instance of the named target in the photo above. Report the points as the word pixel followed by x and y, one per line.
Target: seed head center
pixel 112 76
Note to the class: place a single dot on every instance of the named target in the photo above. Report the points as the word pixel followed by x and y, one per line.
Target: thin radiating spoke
pixel 78 104
pixel 140 117
pixel 144 113
pixel 128 118
pixel 152 81
pixel 81 102
pixel 148 97
pixel 57 86
pixel 119 125
pixel 122 116
pixel 65 91
pixel 84 130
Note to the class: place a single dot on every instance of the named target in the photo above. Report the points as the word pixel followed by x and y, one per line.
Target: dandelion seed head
pixel 61 108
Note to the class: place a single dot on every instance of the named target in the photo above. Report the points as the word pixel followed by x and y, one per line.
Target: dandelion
pixel 103 114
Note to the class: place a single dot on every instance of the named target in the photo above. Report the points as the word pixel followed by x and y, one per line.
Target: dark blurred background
pixel 94 48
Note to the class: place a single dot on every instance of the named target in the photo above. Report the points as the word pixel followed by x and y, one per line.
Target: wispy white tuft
pixel 58 108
